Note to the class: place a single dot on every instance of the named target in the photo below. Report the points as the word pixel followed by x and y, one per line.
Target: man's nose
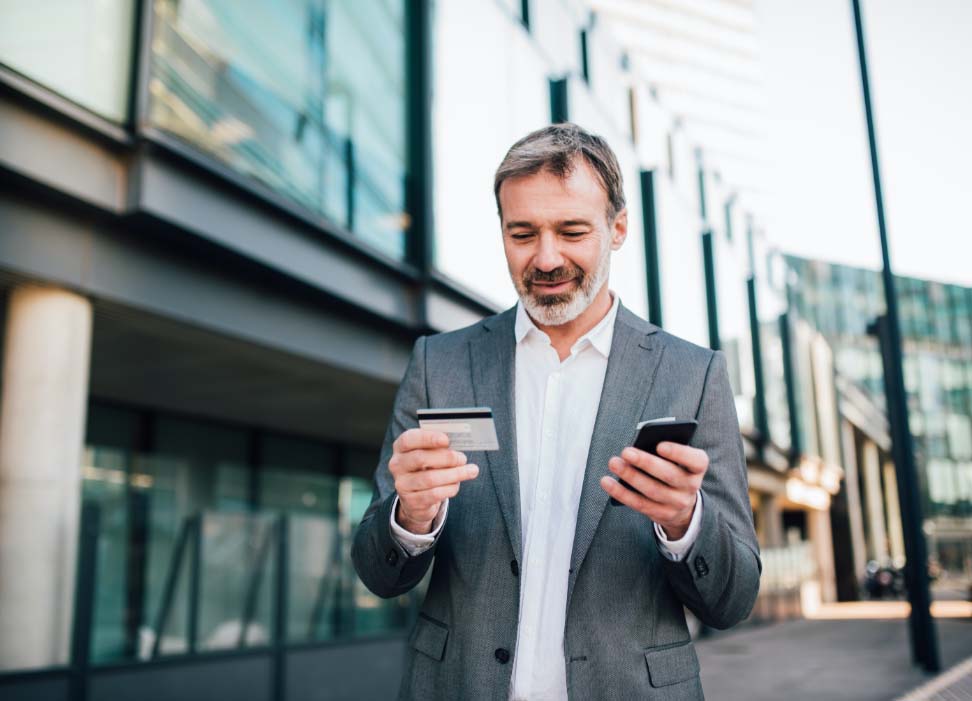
pixel 548 255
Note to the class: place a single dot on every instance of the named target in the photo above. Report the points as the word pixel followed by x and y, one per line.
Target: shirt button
pixel 502 655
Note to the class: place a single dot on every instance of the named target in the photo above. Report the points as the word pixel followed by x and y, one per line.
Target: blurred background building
pixel 224 223
pixel 936 326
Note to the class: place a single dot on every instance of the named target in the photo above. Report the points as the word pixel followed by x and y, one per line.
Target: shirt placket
pixel 541 518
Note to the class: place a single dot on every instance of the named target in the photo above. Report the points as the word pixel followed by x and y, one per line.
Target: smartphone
pixel 651 433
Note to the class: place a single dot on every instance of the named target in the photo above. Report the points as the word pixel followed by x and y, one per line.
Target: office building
pixel 222 227
pixel 936 329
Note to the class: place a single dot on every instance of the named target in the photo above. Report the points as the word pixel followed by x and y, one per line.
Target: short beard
pixel 560 309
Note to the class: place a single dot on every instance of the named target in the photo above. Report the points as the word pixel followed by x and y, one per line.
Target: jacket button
pixel 502 655
pixel 701 566
pixel 515 568
pixel 392 558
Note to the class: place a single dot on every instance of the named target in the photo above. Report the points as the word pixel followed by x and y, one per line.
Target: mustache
pixel 563 274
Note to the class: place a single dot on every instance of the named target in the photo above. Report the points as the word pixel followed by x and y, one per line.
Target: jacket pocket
pixel 672 664
pixel 429 637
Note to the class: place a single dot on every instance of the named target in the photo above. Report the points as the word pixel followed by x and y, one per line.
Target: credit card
pixel 469 428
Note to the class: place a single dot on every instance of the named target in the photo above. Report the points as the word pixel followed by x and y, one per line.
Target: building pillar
pixel 893 506
pixel 821 539
pixel 771 521
pixel 873 495
pixel 44 396
pixel 855 508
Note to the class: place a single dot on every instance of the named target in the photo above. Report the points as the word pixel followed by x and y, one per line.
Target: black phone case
pixel 651 435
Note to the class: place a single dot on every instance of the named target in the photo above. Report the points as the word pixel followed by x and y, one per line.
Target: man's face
pixel 558 241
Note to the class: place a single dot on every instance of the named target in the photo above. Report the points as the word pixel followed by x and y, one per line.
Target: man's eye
pixel 520 237
pixel 574 234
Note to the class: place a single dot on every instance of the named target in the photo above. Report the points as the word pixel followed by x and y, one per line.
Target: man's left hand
pixel 664 487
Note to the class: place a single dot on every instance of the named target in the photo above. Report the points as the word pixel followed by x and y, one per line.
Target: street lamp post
pixel 924 643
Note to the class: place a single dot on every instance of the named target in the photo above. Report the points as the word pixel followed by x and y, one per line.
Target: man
pixel 539 589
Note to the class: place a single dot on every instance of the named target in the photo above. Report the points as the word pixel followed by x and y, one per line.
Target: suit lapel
pixel 635 353
pixel 492 359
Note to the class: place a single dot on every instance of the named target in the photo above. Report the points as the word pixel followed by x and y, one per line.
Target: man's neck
pixel 564 336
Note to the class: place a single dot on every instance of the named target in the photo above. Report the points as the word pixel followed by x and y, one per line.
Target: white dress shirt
pixel 556 405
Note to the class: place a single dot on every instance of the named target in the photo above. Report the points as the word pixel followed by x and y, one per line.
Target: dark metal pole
pixel 711 300
pixel 708 260
pixel 789 381
pixel 761 415
pixel 650 226
pixel 84 600
pixel 195 583
pixel 351 184
pixel 418 186
pixel 281 609
pixel 924 642
pixel 419 180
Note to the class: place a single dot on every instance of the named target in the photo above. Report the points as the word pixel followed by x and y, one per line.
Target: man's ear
pixel 619 229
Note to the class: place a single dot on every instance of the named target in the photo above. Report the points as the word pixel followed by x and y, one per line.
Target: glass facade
pixel 189 544
pixel 306 96
pixel 936 324
pixel 732 300
pixel 81 49
pixel 770 309
pixel 679 246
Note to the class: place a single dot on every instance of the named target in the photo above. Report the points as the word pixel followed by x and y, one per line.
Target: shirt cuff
pixel 418 543
pixel 675 550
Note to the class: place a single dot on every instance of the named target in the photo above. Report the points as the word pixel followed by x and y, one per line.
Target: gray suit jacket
pixel 625 635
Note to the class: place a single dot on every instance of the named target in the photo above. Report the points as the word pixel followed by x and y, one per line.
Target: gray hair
pixel 556 149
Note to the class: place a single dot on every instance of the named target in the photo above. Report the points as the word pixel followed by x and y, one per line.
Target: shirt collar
pixel 600 336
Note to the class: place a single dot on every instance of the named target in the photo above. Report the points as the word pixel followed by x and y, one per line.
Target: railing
pixel 786 571
pixel 311 603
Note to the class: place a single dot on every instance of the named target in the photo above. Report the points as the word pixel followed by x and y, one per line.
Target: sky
pixel 820 200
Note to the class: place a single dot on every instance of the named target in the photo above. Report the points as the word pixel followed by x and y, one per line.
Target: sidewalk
pixel 828 660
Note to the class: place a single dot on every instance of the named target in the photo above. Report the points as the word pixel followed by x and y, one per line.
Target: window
pixel 81 49
pixel 307 97
pixel 168 485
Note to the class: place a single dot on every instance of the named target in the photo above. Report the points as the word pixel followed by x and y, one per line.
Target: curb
pixel 954 684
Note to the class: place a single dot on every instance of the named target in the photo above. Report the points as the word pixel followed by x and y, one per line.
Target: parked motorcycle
pixel 883 581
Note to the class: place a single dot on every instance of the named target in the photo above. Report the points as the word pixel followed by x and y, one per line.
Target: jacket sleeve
pixel 381 562
pixel 719 578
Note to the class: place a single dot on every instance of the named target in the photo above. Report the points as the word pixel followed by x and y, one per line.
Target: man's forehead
pixel 551 196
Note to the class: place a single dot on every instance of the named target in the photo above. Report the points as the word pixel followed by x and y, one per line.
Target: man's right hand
pixel 426 472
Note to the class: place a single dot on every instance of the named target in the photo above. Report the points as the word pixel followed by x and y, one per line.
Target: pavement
pixel 850 655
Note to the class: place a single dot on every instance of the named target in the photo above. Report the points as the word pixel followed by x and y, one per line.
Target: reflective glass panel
pixel 81 49
pixel 189 549
pixel 306 96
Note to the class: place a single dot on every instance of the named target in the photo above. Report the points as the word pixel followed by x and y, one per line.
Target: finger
pixel 649 487
pixel 659 468
pixel 420 438
pixel 692 459
pixel 654 511
pixel 428 459
pixel 430 479
pixel 428 498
